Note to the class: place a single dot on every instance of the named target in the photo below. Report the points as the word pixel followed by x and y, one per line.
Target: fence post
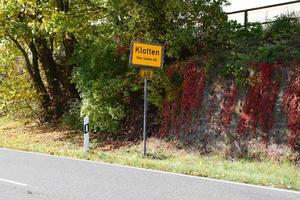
pixel 246 18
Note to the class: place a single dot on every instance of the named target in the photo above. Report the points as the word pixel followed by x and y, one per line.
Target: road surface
pixel 31 176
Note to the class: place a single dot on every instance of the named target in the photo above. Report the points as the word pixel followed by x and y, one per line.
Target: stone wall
pixel 211 133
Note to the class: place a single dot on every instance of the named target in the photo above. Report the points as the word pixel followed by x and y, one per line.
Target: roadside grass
pixel 161 156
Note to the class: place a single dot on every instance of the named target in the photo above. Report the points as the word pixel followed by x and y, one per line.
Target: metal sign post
pixel 86 134
pixel 148 56
pixel 145 117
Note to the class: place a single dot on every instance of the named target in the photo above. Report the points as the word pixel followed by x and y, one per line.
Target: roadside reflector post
pixel 86 134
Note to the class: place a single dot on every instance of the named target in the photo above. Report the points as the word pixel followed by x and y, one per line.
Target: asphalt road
pixel 30 176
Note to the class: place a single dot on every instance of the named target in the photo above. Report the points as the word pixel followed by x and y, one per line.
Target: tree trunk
pixel 69 42
pixel 34 72
pixel 66 68
pixel 56 89
pixel 49 67
pixel 63 5
pixel 38 83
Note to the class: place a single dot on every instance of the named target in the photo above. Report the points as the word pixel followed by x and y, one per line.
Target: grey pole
pixel 86 134
pixel 145 117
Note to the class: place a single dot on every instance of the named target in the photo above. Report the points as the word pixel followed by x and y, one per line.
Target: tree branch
pixel 23 51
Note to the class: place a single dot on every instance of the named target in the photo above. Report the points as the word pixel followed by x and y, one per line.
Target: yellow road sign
pixel 146 73
pixel 144 54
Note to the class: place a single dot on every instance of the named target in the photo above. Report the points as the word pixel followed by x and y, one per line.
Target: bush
pixel 101 79
pixel 72 118
pixel 274 152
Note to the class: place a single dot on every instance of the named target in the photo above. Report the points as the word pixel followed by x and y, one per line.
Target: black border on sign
pixel 148 43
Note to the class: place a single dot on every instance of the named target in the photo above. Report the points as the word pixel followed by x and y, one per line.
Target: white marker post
pixel 86 134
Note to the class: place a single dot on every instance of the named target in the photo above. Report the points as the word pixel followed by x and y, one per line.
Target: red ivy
pixel 292 107
pixel 169 121
pixel 227 106
pixel 259 104
pixel 178 115
pixel 256 112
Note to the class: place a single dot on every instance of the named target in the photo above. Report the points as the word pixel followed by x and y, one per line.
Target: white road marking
pixel 157 171
pixel 13 182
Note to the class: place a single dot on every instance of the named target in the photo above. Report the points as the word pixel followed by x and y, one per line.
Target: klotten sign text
pixel 147 55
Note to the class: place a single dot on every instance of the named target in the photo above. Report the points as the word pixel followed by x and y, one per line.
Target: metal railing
pixel 246 11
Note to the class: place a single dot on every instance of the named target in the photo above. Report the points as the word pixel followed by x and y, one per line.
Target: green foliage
pixel 17 97
pixel 101 79
pixel 158 88
pixel 110 89
pixel 33 19
pixel 72 118
pixel 240 47
pixel 45 34
pixel 281 40
pixel 179 24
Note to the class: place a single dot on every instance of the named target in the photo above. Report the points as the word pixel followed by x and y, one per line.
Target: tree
pixel 48 33
pixel 111 89
pixel 45 33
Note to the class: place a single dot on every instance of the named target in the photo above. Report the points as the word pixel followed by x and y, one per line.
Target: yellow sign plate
pixel 144 54
pixel 146 73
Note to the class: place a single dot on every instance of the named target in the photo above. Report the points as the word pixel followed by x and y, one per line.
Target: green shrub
pixel 101 79
pixel 72 118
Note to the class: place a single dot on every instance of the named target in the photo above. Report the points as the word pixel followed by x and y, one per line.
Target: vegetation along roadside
pixel 163 155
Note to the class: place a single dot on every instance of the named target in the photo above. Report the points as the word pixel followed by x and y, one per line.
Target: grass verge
pixel 162 156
